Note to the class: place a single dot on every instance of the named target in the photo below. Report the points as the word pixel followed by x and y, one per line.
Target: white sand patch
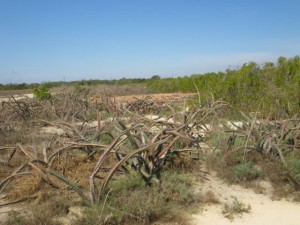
pixel 16 97
pixel 263 210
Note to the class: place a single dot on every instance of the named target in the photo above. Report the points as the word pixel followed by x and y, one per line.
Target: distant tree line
pixel 271 87
pixel 24 86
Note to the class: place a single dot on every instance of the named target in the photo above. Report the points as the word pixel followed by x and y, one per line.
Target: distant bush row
pixel 24 86
pixel 268 88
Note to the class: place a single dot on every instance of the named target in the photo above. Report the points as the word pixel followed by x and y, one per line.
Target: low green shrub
pixel 246 171
pixel 41 93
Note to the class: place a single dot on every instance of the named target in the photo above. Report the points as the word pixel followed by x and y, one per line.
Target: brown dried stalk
pixel 100 161
pixel 127 157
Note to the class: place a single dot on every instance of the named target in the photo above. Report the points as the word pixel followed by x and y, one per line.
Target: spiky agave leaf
pixel 132 140
pixel 71 184
pixel 100 161
pixel 127 157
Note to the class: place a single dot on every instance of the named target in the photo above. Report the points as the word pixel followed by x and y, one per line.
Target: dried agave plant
pixel 15 111
pixel 273 140
pixel 270 138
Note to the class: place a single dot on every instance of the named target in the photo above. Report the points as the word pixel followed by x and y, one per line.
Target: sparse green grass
pixel 294 165
pixel 44 213
pixel 14 218
pixel 130 201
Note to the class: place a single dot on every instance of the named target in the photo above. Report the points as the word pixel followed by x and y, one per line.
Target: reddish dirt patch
pixel 162 98
pixel 157 98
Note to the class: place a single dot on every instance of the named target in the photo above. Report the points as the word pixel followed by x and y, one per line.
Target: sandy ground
pixel 264 211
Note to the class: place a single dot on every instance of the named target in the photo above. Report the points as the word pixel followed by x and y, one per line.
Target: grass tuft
pixel 235 208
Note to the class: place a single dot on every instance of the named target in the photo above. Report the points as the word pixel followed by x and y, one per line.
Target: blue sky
pixel 52 40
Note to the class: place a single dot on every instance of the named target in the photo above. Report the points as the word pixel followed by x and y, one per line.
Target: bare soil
pixel 264 210
pixel 177 98
pixel 159 98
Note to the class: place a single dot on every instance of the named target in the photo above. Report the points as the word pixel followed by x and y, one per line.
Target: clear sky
pixel 53 40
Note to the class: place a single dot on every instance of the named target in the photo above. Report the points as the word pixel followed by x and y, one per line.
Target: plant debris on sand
pixel 91 148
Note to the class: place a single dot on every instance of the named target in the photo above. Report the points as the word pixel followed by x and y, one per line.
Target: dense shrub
pixel 41 93
pixel 270 88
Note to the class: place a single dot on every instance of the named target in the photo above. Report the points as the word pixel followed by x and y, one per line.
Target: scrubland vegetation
pixel 271 88
pixel 137 163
